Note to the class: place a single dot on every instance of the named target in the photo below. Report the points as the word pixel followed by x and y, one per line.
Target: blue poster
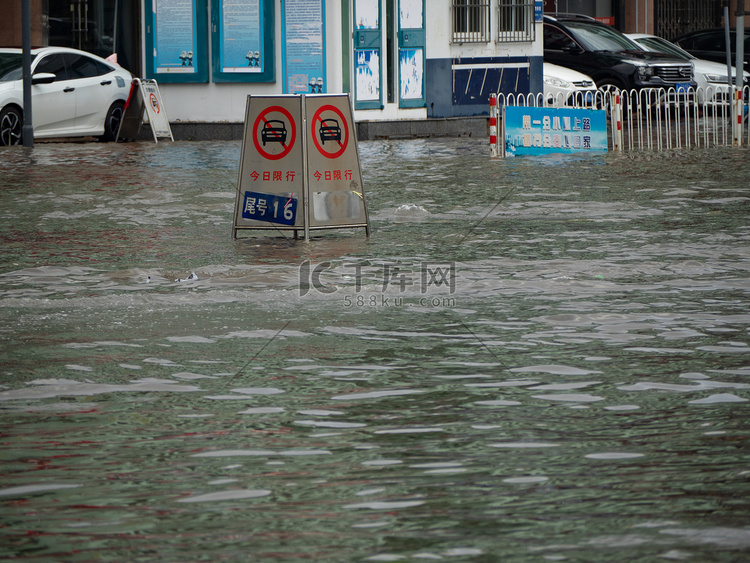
pixel 304 51
pixel 242 36
pixel 174 36
pixel 531 130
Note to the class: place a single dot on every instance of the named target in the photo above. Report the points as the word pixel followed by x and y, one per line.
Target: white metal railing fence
pixel 650 119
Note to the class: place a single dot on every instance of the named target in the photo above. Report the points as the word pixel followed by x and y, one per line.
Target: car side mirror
pixel 43 78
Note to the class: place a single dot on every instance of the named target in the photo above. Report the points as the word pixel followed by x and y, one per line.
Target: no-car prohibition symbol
pixel 330 131
pixel 274 133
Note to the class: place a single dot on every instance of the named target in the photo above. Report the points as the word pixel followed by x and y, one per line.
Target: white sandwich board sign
pixel 299 167
pixel 157 115
pixel 145 98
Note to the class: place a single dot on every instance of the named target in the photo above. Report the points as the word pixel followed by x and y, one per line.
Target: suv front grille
pixel 674 73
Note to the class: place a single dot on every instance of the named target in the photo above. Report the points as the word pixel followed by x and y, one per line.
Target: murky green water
pixel 530 359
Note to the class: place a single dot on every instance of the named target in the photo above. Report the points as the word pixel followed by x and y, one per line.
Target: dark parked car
pixel 710 44
pixel 610 58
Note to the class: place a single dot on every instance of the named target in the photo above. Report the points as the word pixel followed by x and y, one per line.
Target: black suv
pixel 610 58
pixel 710 44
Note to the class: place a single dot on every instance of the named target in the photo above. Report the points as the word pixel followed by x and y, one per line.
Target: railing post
pixel 738 111
pixel 615 104
pixel 493 125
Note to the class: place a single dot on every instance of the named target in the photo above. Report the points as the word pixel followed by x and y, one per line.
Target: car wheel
pixel 11 126
pixel 112 121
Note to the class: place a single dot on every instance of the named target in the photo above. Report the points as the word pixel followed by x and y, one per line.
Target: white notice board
pixel 144 98
pixel 157 115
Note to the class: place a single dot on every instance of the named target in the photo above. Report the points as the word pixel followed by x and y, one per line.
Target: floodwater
pixel 531 359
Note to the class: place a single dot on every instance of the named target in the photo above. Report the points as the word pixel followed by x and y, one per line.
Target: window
pixel 515 20
pixel 80 66
pixel 11 66
pixel 710 42
pixel 53 64
pixel 471 21
pixel 557 40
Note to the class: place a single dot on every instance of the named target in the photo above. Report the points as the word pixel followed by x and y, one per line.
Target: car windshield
pixel 11 66
pixel 600 37
pixel 663 46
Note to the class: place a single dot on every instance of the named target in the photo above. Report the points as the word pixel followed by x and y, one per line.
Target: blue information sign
pixel 531 130
pixel 270 208
pixel 242 37
pixel 304 47
pixel 175 36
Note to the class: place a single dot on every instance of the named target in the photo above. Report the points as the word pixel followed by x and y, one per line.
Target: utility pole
pixel 728 41
pixel 27 131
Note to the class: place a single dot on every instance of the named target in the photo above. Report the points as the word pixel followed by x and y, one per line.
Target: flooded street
pixel 530 359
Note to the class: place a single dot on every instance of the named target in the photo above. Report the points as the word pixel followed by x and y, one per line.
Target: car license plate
pixel 682 86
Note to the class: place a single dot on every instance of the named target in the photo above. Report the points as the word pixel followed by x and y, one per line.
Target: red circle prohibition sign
pixel 330 130
pixel 274 131
pixel 154 102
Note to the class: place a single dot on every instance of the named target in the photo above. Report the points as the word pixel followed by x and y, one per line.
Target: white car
pixel 74 94
pixel 710 76
pixel 567 87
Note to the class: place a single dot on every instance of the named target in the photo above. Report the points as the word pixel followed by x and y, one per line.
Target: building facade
pixel 399 59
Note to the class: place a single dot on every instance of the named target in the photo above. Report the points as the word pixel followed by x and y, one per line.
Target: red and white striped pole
pixel 616 107
pixel 493 125
pixel 740 111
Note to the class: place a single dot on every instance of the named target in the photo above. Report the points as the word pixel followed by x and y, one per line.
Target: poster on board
pixel 367 74
pixel 367 14
pixel 241 42
pixel 411 74
pixel 410 14
pixel 175 37
pixel 304 50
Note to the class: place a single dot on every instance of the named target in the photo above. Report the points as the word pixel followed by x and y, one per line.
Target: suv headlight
pixel 645 72
pixel 557 82
pixel 716 78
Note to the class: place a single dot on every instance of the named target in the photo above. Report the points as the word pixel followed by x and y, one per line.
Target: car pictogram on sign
pixel 329 123
pixel 329 130
pixel 274 131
